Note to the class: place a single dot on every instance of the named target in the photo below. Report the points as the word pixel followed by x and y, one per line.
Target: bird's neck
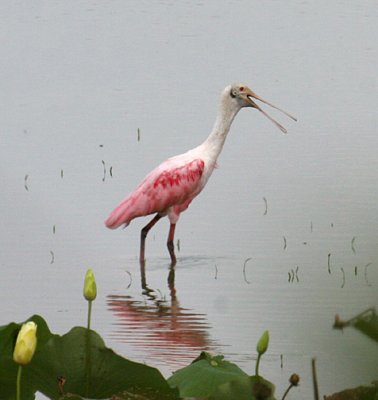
pixel 215 141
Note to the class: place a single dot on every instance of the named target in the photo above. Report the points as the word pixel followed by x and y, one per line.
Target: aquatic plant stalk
pixel 89 314
pixel 18 382
pixel 88 362
pixel 258 364
pixel 287 391
pixel 294 380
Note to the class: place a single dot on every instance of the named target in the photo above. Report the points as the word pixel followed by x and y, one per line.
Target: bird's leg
pixel 143 235
pixel 170 245
pixel 171 282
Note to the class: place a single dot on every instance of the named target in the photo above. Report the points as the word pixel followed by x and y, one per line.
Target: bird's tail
pixel 119 216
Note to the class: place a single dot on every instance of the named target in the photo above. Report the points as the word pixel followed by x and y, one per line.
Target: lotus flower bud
pixel 26 343
pixel 263 343
pixel 90 288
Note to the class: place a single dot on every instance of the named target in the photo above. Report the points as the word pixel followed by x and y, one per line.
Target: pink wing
pixel 170 184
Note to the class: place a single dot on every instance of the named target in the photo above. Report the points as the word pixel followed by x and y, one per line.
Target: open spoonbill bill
pixel 169 188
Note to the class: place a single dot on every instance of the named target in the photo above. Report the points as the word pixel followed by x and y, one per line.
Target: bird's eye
pixel 241 88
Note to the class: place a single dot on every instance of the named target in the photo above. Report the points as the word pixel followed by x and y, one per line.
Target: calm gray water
pixel 79 79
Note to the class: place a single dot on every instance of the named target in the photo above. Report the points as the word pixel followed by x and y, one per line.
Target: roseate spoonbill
pixel 169 188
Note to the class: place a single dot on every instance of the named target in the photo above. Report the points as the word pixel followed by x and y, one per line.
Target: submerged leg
pixel 170 245
pixel 143 235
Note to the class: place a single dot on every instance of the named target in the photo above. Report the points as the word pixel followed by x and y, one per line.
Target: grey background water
pixel 78 79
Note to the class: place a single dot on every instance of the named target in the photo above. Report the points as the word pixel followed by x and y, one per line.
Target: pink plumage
pixel 169 189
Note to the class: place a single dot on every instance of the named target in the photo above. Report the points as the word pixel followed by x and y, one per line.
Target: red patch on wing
pixel 190 172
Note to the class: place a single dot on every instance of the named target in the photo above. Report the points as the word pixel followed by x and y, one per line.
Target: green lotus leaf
pixel 88 368
pixel 368 324
pixel 204 376
pixel 245 388
pixel 75 364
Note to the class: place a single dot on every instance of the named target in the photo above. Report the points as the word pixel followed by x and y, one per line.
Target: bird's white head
pixel 242 96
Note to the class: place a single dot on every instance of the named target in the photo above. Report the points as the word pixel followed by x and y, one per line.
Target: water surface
pixel 94 95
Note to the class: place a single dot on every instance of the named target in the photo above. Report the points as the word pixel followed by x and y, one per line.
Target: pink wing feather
pixel 168 185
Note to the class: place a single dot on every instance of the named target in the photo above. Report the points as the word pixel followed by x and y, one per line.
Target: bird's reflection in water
pixel 165 330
